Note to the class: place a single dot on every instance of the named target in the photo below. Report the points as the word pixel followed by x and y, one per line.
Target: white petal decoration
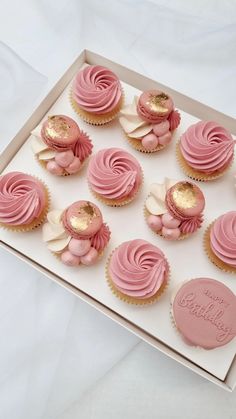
pixel 155 202
pixel 58 245
pixel 53 232
pixel 131 122
pixel 130 109
pixel 54 216
pixel 38 145
pixel 155 207
pixel 169 183
pixel 130 125
pixel 158 190
pixel 141 132
pixel 37 131
pixel 46 154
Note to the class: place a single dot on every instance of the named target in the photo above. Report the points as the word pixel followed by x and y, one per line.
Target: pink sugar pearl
pixel 154 222
pixel 170 233
pixel 74 166
pixel 165 139
pixel 79 247
pixel 69 259
pixel 54 168
pixel 90 258
pixel 150 142
pixel 64 158
pixel 161 129
pixel 169 221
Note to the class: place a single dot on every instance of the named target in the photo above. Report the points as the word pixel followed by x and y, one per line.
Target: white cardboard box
pixel 151 323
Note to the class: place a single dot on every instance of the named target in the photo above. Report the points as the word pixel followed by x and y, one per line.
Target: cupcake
pixel 220 242
pixel 96 94
pixel 60 146
pixel 173 209
pixel 205 151
pixel 114 176
pixel 137 272
pixel 77 235
pixel 150 121
pixel 24 201
pixel 204 312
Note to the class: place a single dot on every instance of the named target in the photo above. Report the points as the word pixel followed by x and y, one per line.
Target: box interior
pixel 154 320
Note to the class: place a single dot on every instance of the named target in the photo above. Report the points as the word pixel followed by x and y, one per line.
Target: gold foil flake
pixel 79 223
pixel 156 103
pixel 57 127
pixel 88 209
pixel 184 195
pixel 85 217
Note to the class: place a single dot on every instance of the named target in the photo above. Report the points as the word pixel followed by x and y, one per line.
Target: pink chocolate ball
pixel 90 258
pixel 74 166
pixel 169 221
pixel 154 222
pixel 64 158
pixel 54 168
pixel 165 139
pixel 170 233
pixel 69 259
pixel 79 247
pixel 161 129
pixel 150 142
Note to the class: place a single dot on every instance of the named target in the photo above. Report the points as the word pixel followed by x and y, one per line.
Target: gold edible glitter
pixel 184 195
pixel 85 216
pixel 57 127
pixel 156 103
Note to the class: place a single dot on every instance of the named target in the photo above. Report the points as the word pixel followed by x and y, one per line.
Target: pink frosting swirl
pixel 101 238
pixel 138 268
pixel 174 119
pixel 223 238
pixel 191 225
pixel 114 174
pixel 207 147
pixel 97 89
pixel 22 198
pixel 83 147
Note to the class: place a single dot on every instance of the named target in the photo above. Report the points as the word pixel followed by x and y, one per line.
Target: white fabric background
pixel 58 357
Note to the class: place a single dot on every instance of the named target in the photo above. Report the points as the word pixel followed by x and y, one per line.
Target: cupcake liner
pixel 97 119
pixel 211 255
pixel 137 145
pixel 194 174
pixel 115 202
pixel 181 237
pixel 132 300
pixel 37 222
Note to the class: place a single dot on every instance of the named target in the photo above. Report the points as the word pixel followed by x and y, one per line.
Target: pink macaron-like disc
pixel 154 106
pixel 82 219
pixel 204 312
pixel 60 132
pixel 187 198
